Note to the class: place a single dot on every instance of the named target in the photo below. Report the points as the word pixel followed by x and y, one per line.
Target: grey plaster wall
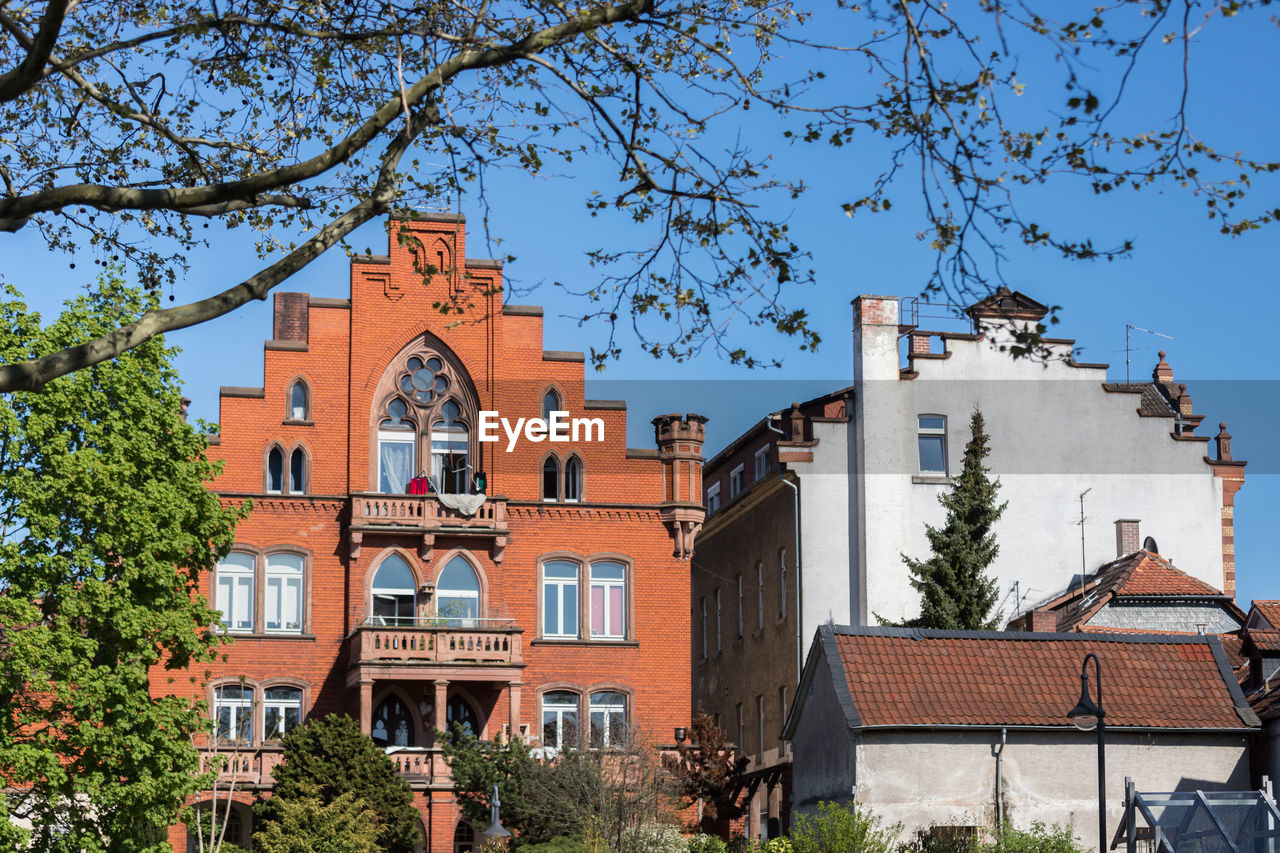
pixel 825 766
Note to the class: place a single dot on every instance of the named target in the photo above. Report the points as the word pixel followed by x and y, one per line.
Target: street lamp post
pixel 1087 715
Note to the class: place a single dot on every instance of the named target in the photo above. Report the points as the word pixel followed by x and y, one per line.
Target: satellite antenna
pixel 1130 327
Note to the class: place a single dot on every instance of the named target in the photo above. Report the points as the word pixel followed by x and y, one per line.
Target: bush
pixel 944 839
pixel 778 845
pixel 842 829
pixel 652 838
pixel 703 843
pixel 559 844
pixel 1038 839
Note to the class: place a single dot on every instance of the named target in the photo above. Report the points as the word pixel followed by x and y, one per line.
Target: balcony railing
pixel 434 639
pixel 371 511
pixel 253 767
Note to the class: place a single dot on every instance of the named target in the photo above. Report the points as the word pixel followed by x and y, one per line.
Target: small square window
pixel 932 440
pixel 735 482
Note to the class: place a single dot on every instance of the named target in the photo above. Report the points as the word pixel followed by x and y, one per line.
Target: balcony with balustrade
pixel 251 768
pixel 428 516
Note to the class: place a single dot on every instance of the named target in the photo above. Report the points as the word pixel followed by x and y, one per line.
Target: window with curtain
pixel 283 607
pixel 234 591
pixel 458 593
pixel 560 719
pixel 608 600
pixel 281 711
pixel 396 442
pixel 608 720
pixel 394 593
pixel 450 466
pixel 560 599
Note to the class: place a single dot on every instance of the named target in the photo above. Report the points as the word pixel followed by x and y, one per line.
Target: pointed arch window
pixel 551 479
pixel 392 723
pixel 275 471
pixel 573 480
pixel 396 444
pixel 551 403
pixel 450 443
pixel 394 593
pixel 458 593
pixel 298 471
pixel 299 401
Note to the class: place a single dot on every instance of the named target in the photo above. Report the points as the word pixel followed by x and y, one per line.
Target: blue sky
pixel 1214 295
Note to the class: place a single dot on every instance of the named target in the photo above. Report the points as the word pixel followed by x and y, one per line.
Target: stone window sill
pixel 296 422
pixel 931 481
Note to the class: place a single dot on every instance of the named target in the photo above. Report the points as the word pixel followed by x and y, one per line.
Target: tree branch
pixel 18 81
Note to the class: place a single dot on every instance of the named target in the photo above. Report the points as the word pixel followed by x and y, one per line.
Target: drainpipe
pixel 999 754
pixel 795 504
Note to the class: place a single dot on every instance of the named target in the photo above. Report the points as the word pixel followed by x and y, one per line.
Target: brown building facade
pixel 413 562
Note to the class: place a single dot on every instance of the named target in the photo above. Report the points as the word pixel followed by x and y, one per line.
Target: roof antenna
pixel 1129 327
pixel 1082 519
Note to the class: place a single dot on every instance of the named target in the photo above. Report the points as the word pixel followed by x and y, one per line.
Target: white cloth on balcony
pixel 467 505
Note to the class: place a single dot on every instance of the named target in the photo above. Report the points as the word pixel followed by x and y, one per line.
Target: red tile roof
pixel 1264 639
pixel 1140 574
pixel 904 677
pixel 1270 611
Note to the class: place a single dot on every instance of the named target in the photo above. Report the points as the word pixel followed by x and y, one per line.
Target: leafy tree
pixel 328 757
pixel 478 765
pixel 107 528
pixel 838 828
pixel 705 768
pixel 955 590
pixel 306 824
pixel 128 126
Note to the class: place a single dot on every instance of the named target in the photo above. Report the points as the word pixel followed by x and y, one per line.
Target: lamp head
pixel 1086 714
pixel 681 733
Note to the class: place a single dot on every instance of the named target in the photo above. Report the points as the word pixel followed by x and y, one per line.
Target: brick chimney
pixel 291 317
pixel 1042 621
pixel 1126 536
pixel 875 338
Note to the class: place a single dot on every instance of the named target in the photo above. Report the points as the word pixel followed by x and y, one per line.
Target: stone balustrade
pixel 430 640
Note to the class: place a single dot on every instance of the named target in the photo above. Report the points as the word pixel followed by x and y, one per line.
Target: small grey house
pixel 965 728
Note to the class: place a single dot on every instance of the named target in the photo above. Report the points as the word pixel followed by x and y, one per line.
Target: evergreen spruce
pixel 329 757
pixel 955 590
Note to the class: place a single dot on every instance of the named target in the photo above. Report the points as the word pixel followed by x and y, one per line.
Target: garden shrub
pixel 842 829
pixel 703 843
pixel 652 838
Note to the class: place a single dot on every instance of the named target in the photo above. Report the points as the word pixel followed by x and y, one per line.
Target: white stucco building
pixel 811 510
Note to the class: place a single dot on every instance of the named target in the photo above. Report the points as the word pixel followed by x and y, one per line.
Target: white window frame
pixel 230 578
pixel 560 585
pixel 398 436
pixel 608 709
pixel 606 585
pixel 762 462
pixel 558 710
pixel 236 708
pixel 931 432
pixel 294 412
pixel 281 706
pixel 713 498
pixel 280 577
pixel 735 480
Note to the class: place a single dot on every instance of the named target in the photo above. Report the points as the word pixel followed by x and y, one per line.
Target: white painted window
pixel 560 599
pixel 713 498
pixel 608 601
pixel 735 482
pixel 234 596
pixel 450 443
pixel 283 612
pixel 608 720
pixel 458 593
pixel 762 463
pixel 233 712
pixel 275 471
pixel 573 480
pixel 281 711
pixel 298 401
pixel 394 593
pixel 932 441
pixel 560 719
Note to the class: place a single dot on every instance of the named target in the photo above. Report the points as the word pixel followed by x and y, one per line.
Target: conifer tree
pixel 955 590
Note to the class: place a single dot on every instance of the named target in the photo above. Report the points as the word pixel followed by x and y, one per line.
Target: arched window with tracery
pixel 425 428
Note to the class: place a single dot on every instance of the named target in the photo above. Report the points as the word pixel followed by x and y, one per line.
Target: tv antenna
pixel 1081 522
pixel 1128 328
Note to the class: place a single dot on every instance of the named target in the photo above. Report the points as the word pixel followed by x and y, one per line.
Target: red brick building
pixel 530 587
